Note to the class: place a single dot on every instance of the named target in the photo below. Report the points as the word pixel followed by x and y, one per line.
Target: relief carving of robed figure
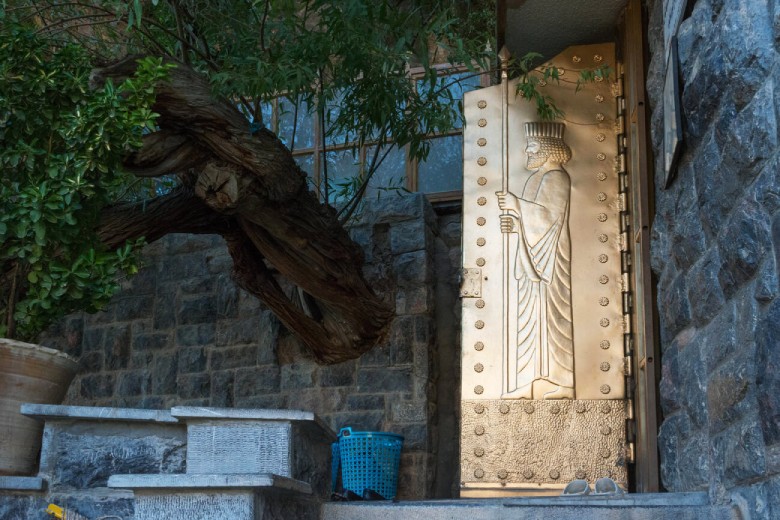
pixel 540 359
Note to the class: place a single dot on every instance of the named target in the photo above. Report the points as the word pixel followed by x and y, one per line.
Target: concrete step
pixel 646 506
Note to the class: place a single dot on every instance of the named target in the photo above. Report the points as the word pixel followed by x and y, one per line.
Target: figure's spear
pixel 504 56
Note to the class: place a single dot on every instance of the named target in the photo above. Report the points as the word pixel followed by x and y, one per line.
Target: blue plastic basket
pixel 369 460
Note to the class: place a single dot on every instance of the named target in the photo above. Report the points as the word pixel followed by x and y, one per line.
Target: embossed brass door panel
pixel 543 361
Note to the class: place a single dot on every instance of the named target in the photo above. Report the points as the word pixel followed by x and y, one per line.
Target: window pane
pixel 454 85
pixel 343 169
pixel 266 111
pixel 443 170
pixel 304 130
pixel 390 177
pixel 306 162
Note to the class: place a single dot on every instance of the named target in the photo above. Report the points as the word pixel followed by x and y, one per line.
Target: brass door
pixel 545 292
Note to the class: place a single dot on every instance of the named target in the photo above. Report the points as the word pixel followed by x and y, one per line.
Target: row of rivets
pixel 481 221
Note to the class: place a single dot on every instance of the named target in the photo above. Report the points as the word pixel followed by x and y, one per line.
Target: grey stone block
pixel 95 386
pixel 673 305
pixel 342 374
pixel 250 382
pixel 731 392
pixel 200 309
pixel 409 236
pixel 384 380
pixel 412 268
pixel 704 291
pixel 768 373
pixel 194 335
pixel 192 359
pixel 738 453
pixel 693 371
pixel 193 386
pixel 164 373
pixel 742 244
pixel 216 481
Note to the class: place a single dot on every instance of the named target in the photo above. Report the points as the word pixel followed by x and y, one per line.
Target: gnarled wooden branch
pixel 249 189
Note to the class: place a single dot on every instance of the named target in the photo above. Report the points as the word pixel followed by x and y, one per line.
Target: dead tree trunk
pixel 247 188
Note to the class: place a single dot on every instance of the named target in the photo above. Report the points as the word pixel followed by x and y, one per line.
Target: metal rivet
pixel 599 98
pixel 555 409
pixel 504 408
pixel 528 408
pixel 606 408
pixel 576 59
pixel 603 279
pixel 482 181
pixel 555 474
pixel 480 262
pixel 479 452
pixel 481 221
pixel 482 201
pixel 542 83
pixel 605 389
pixel 561 71
pixel 482 161
pixel 599 117
pixel 600 137
pixel 606 430
pixel 479 346
pixel 598 79
pixel 580 474
pixel 603 301
pixel 479 367
pixel 478 389
pixel 604 344
pixel 481 141
pixel 480 304
pixel 602 217
pixel 479 324
pixel 601 156
pixel 479 473
pixel 481 103
pixel 597 58
pixel 479 430
pixel 480 241
pixel 603 238
pixel 479 408
pixel 580 407
pixel 604 452
pixel 482 122
pixel 604 366
pixel 604 322
pixel 603 259
pixel 602 176
pixel 601 197
pixel 503 474
pixel 527 473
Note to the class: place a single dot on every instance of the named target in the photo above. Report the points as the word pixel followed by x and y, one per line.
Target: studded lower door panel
pixel 535 442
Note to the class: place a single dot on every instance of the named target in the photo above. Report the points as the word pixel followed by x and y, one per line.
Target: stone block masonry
pixel 715 251
pixel 181 333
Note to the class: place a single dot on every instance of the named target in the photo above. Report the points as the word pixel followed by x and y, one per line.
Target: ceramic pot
pixel 28 374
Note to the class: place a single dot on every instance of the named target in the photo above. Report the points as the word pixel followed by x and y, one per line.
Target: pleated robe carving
pixel 542 268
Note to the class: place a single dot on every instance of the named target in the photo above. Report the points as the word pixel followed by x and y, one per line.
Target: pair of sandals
pixel 604 486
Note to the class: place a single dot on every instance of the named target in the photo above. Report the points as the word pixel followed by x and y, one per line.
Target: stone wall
pixel 181 333
pixel 715 251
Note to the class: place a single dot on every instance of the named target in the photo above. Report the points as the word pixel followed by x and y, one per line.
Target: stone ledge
pixel 258 414
pixel 192 482
pixel 22 484
pixel 46 412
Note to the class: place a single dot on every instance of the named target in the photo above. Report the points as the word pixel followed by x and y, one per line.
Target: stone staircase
pixel 207 463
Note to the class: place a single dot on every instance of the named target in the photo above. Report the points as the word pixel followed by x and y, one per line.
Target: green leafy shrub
pixel 61 147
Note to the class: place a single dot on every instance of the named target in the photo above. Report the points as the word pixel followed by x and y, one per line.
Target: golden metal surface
pixel 542 219
pixel 543 447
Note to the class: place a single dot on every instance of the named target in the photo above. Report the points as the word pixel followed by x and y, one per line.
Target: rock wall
pixel 181 333
pixel 715 246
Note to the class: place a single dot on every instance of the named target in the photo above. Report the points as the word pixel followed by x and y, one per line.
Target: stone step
pixel 645 506
pixel 288 443
pixel 218 496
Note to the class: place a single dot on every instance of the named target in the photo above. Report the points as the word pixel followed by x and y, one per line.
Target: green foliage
pixel 61 146
pixel 531 75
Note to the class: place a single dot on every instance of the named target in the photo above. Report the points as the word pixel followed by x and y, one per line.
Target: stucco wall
pixel 715 244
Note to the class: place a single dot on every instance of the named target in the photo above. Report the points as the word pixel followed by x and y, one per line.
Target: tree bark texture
pixel 247 187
